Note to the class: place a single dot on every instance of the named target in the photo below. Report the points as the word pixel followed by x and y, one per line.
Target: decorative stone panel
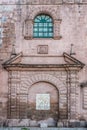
pixel 42 49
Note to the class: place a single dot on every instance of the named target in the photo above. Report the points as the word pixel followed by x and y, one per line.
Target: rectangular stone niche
pixel 42 49
pixel 42 101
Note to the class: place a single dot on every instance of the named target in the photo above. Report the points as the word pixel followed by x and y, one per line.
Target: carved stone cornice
pixel 16 63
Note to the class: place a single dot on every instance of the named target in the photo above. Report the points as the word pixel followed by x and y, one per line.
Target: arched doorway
pixel 43 103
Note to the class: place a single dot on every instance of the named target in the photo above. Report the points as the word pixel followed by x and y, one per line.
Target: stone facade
pixel 55 66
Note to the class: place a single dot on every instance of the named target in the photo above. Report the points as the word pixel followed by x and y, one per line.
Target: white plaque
pixel 43 102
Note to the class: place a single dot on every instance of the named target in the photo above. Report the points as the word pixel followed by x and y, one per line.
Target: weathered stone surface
pixel 60 124
pixel 43 125
pixel 20 85
pixel 33 123
pixel 50 122
pixel 83 124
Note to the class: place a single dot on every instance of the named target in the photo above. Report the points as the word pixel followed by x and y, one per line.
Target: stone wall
pixel 70 28
pixel 23 87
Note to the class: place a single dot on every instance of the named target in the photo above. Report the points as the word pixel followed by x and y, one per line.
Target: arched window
pixel 43 26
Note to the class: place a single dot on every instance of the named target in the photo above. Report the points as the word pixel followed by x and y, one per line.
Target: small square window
pixel 35 34
pixel 45 29
pixel 40 24
pixel 35 29
pixel 36 24
pixel 40 34
pixel 50 24
pixel 40 29
pixel 45 24
pixel 45 34
pixel 50 34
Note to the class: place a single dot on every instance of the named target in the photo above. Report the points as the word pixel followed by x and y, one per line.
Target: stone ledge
pixel 63 124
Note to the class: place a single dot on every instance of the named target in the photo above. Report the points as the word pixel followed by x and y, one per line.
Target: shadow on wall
pixel 83 84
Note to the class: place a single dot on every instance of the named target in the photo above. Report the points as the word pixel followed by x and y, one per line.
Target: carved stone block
pixel 42 49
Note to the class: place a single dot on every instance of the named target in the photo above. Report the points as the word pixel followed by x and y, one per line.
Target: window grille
pixel 43 26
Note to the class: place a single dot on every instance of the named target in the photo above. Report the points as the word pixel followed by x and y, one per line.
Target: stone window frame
pixel 29 22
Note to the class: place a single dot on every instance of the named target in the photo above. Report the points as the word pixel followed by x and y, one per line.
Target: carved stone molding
pixel 45 2
pixel 48 2
pixel 53 11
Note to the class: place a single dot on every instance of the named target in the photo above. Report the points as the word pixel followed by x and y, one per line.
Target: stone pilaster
pixel 13 99
pixel 28 29
pixel 73 94
pixel 57 29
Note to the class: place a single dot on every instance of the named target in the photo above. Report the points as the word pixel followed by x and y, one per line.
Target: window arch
pixel 43 26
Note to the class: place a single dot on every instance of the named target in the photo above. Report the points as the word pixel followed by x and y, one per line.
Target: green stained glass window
pixel 43 26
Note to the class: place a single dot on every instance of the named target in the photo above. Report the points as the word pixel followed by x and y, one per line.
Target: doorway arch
pixel 36 109
pixel 30 83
